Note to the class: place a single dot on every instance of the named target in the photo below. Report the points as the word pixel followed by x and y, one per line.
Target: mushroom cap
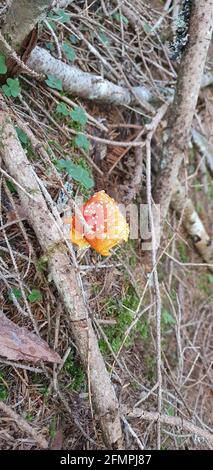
pixel 107 223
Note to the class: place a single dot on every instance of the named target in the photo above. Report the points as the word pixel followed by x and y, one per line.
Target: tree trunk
pixel 21 19
pixel 185 100
pixel 18 35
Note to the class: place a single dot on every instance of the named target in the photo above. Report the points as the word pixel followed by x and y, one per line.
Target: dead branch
pixel 66 279
pixel 83 84
pixel 23 425
pixel 172 421
pixel 185 100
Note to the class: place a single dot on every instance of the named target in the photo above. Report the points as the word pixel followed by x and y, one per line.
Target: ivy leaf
pixel 147 28
pixel 104 39
pixel 61 108
pixel 60 15
pixel 16 292
pixel 120 18
pixel 78 115
pixel 12 88
pixel 77 172
pixel 82 142
pixel 54 82
pixel 22 136
pixel 3 67
pixel 35 296
pixel 69 52
pixel 73 39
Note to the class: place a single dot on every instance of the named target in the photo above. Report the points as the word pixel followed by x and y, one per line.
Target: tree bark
pixel 21 18
pixel 183 107
pixel 86 85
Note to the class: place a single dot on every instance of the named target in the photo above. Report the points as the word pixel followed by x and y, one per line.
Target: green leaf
pixel 167 318
pixel 11 187
pixel 3 67
pixel 16 292
pixel 49 46
pixel 3 393
pixel 54 82
pixel 53 24
pixel 61 108
pixel 24 139
pixel 78 115
pixel 120 18
pixel 104 39
pixel 73 39
pixel 60 15
pixel 6 90
pixel 12 88
pixel 69 52
pixel 170 411
pixel 82 142
pixel 144 330
pixel 35 296
pixel 147 28
pixel 77 172
pixel 210 278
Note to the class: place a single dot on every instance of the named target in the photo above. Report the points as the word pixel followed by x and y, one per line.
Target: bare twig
pixel 172 421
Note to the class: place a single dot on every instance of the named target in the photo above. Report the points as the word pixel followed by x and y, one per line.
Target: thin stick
pixel 172 421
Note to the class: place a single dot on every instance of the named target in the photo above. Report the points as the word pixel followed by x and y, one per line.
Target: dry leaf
pixel 17 343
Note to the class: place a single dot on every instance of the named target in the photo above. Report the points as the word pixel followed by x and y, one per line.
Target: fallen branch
pixel 83 84
pixel 24 426
pixel 171 421
pixel 183 107
pixel 66 279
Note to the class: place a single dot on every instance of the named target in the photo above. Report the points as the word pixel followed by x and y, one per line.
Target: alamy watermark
pixel 102 221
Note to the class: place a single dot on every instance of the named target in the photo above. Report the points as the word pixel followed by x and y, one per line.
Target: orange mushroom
pixel 106 225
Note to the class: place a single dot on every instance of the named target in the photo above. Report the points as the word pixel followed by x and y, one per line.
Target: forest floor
pixel 115 286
